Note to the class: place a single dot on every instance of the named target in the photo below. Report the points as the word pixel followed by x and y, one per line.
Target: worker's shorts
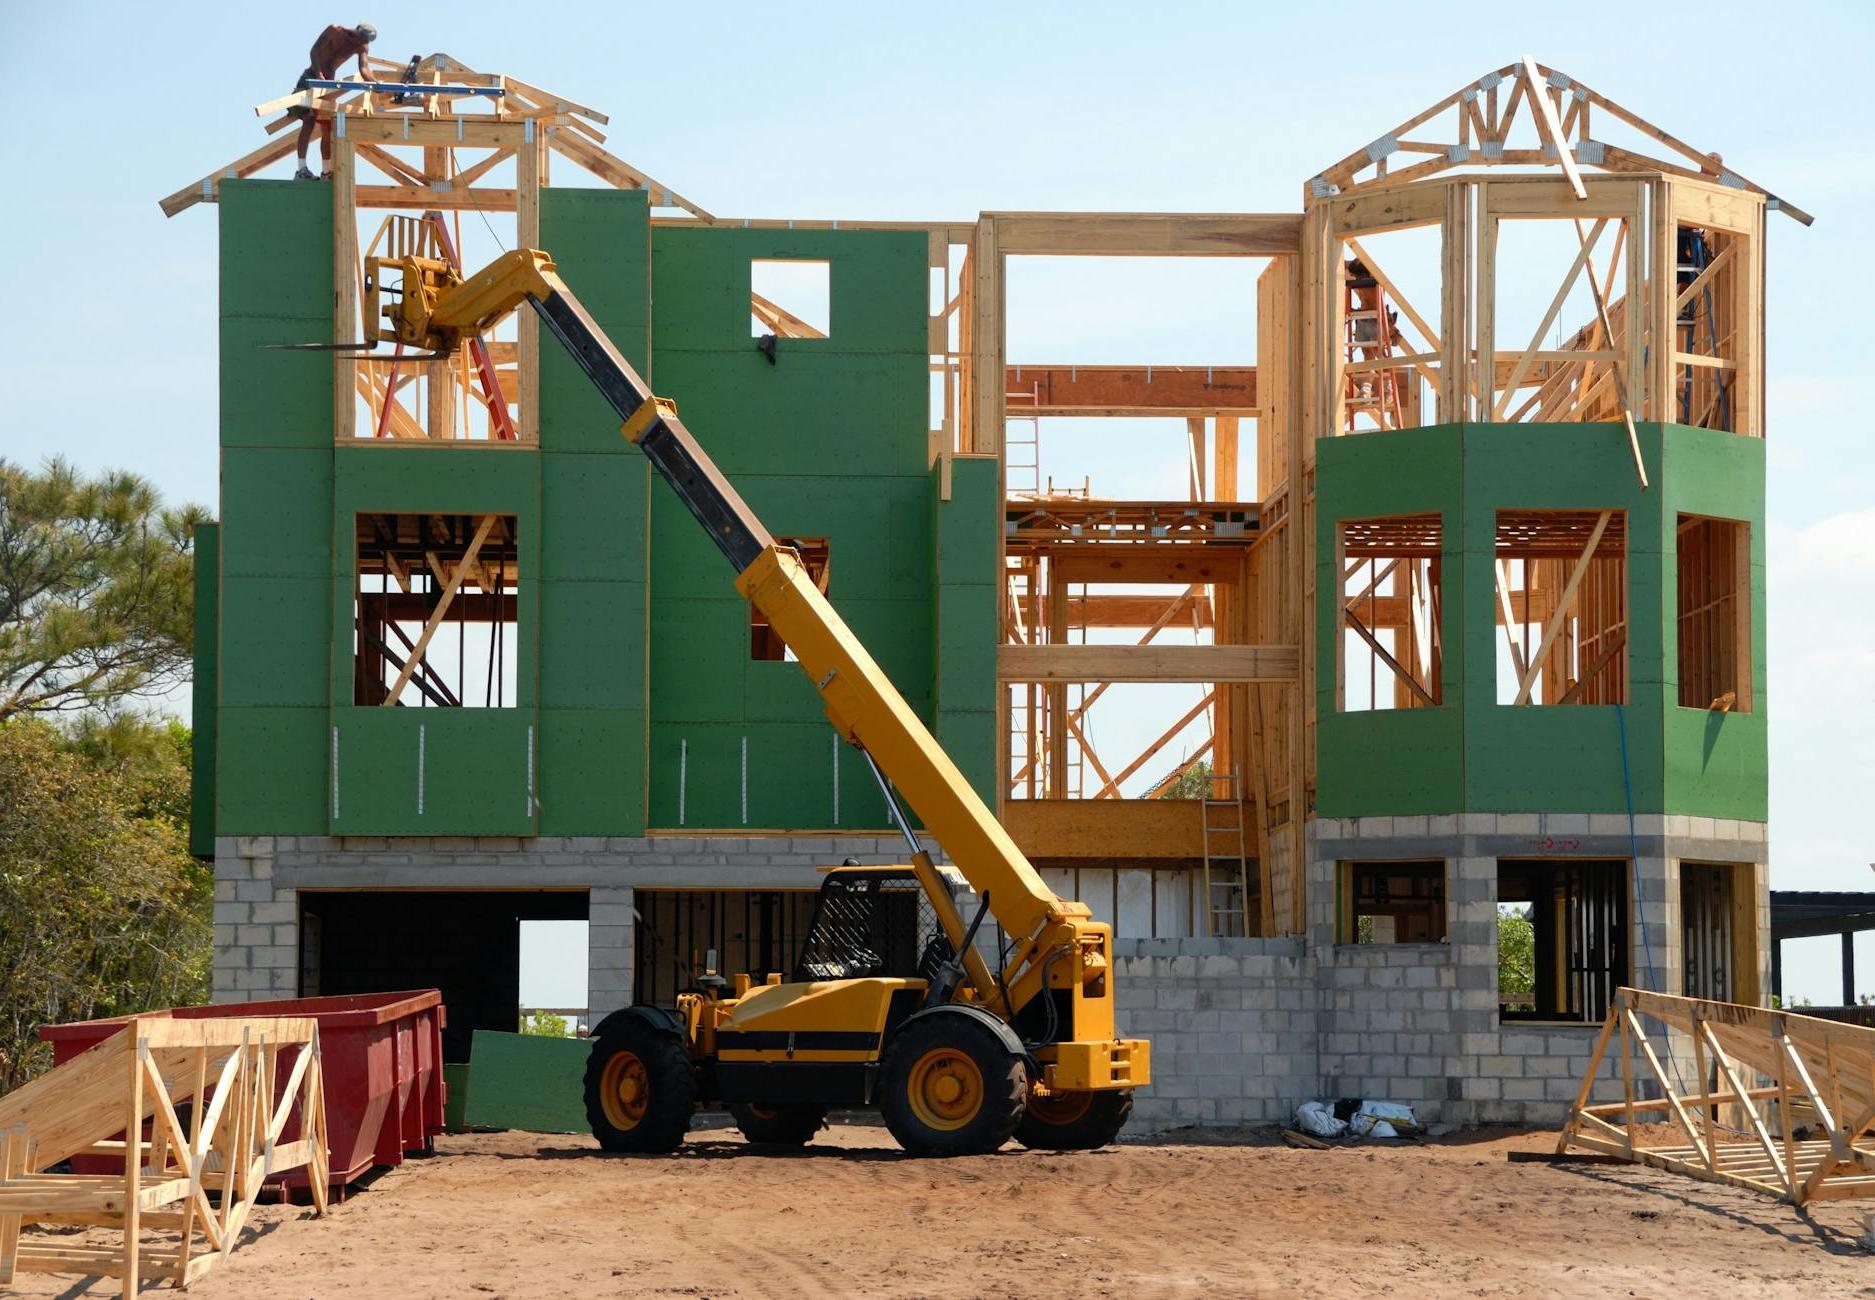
pixel 299 111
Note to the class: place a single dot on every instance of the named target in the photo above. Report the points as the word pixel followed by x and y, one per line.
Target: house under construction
pixel 1461 616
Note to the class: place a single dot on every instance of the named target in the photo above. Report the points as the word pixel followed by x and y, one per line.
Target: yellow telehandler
pixel 893 1003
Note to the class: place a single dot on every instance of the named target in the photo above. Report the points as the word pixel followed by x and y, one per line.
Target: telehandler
pixel 893 1004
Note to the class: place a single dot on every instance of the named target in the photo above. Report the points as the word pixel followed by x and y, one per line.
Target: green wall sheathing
pixel 430 771
pixel 595 521
pixel 1717 763
pixel 275 543
pixel 205 689
pixel 965 563
pixel 1472 754
pixel 828 442
pixel 527 1082
pixel 619 588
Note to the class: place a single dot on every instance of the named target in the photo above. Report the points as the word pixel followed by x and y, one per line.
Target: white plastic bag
pixel 1317 1120
pixel 1384 1119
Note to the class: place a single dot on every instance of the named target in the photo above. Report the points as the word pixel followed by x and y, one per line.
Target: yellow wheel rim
pixel 1061 1108
pixel 946 1089
pixel 625 1090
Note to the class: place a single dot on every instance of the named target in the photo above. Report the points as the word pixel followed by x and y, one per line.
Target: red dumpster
pixel 382 1059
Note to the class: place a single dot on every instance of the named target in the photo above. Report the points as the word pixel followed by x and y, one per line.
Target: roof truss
pixel 502 113
pixel 1526 114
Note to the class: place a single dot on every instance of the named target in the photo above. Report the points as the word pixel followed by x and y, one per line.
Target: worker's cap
pixel 365 32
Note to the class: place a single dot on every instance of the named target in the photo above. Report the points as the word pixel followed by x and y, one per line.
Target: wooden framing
pixel 247 1081
pixel 1776 1073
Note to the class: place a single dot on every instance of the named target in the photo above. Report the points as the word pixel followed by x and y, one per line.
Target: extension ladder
pixel 1226 864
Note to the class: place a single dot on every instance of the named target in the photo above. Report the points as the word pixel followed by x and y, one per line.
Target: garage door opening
pixel 466 943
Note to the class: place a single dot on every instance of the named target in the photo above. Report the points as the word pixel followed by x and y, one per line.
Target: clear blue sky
pixel 912 112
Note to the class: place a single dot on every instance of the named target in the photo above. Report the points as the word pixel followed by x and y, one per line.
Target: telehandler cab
pixel 893 1003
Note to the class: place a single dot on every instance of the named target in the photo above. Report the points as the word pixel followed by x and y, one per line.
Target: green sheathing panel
pixel 967 558
pixel 1716 763
pixel 527 1082
pixel 276 287
pixel 429 771
pixel 828 442
pixel 1473 754
pixel 1561 759
pixel 595 521
pixel 1397 761
pixel 275 542
pixel 432 771
pixel 204 698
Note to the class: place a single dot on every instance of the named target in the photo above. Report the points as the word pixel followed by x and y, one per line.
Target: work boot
pixel 304 173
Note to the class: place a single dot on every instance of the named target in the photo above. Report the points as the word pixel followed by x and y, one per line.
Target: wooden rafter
pixel 1564 140
pixel 522 113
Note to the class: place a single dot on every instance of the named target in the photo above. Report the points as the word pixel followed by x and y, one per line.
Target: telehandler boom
pixel 894 1003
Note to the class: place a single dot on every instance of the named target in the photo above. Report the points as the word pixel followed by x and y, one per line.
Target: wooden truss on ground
pixel 246 1081
pixel 1802 1088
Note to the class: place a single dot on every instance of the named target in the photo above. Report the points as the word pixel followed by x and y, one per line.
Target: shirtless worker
pixel 335 45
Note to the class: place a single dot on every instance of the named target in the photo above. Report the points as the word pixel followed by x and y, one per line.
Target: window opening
pixel 1392 902
pixel 1719 931
pixel 790 299
pixel 765 644
pixel 1574 917
pixel 1714 567
pixel 1562 607
pixel 1391 597
pixel 434 610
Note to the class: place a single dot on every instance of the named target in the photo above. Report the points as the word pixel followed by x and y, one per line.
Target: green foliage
pixel 1193 783
pixel 1516 959
pixel 102 910
pixel 96 590
pixel 544 1024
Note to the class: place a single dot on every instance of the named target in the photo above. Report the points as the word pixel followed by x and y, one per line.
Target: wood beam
pixel 1121 663
pixel 1130 390
pixel 1149 234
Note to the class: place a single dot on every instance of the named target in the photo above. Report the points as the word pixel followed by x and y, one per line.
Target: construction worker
pixel 335 45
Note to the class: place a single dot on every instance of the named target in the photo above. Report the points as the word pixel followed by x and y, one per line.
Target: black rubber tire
pixel 1004 1087
pixel 778 1126
pixel 1087 1130
pixel 669 1081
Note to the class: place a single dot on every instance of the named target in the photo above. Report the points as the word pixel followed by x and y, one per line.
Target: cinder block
pixel 1523 1089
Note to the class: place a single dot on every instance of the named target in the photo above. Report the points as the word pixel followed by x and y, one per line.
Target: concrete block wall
pixel 256 924
pixel 1232 1024
pixel 1242 1029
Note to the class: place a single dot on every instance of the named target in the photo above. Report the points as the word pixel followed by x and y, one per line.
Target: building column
pixel 609 931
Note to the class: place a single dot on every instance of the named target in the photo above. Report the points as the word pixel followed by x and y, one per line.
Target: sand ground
pixel 519 1214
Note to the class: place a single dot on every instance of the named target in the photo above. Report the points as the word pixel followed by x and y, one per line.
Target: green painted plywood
pixel 1475 754
pixel 1717 764
pixel 205 698
pixel 275 642
pixel 592 771
pixel 411 771
pixel 878 293
pixel 1390 761
pixel 524 1081
pixel 276 506
pixel 270 773
pixel 828 442
pixel 275 287
pixel 597 511
pixel 1565 759
pixel 592 638
pixel 442 480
